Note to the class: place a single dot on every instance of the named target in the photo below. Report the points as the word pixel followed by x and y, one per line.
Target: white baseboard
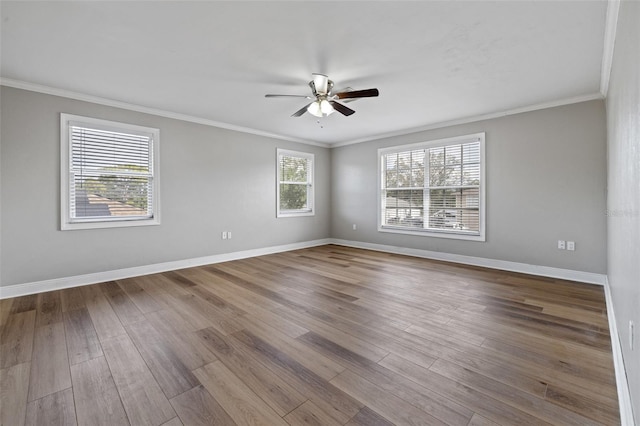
pixel 119 274
pixel 544 271
pixel 624 396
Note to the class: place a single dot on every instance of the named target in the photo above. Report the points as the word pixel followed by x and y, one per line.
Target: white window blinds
pixel 111 172
pixel 434 187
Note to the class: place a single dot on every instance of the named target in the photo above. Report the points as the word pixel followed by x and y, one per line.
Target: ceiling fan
pixel 324 101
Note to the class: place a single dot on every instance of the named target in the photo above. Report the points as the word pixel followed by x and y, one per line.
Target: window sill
pixel 100 224
pixel 434 234
pixel 296 214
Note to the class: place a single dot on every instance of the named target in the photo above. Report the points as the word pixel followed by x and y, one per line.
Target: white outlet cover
pixel 631 327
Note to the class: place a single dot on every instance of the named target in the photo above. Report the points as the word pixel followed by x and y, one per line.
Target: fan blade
pixel 287 96
pixel 321 83
pixel 344 110
pixel 301 111
pixel 345 89
pixel 367 93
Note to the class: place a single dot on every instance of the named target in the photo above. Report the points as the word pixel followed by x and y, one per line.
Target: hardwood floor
pixel 322 336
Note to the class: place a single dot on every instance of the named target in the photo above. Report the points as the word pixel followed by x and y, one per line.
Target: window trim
pixel 450 234
pixel 66 222
pixel 310 211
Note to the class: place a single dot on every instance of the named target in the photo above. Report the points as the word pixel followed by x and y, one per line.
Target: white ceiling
pixel 432 61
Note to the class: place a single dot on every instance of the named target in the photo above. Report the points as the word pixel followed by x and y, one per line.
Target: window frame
pixel 310 210
pixel 67 222
pixel 426 232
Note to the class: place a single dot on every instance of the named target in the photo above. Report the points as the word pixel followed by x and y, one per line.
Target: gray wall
pixel 546 177
pixel 211 180
pixel 214 179
pixel 623 198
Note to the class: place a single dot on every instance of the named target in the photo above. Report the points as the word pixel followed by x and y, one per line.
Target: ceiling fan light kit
pixel 325 102
pixel 320 108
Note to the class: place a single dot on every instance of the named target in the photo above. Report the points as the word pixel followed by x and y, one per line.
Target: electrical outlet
pixel 562 244
pixel 631 327
pixel 229 234
pixel 571 245
pixel 224 235
pixel 354 227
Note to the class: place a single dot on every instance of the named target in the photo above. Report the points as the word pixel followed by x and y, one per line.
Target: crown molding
pixel 474 118
pixel 147 110
pixel 184 117
pixel 611 25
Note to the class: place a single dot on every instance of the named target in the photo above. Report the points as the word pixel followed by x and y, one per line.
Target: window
pixel 109 174
pixel 295 184
pixel 434 188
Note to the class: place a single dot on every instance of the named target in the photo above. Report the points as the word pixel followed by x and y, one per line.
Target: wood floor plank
pixel 596 409
pixel 196 407
pixel 222 322
pixel 14 387
pixel 238 292
pixel 95 395
pixel 174 422
pixel 368 417
pixel 49 308
pixel 171 374
pixel 5 310
pixel 276 392
pixel 245 300
pixel 237 399
pixel 562 373
pixel 533 342
pixel 24 304
pixel 437 406
pixel 54 409
pixel 105 320
pixel 478 420
pixel 82 339
pixel 314 361
pixel 389 406
pixel 597 373
pixel 16 338
pixel 72 298
pixel 143 300
pixel 179 335
pixel 143 400
pixel 500 371
pixel 310 414
pixel 388 340
pixel 488 407
pixel 350 341
pixel 333 401
pixel 122 305
pixel 253 284
pixel 521 400
pixel 197 319
pixel 209 295
pixel 50 362
pixel 443 334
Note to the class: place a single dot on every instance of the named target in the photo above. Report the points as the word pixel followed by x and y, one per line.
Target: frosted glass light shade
pixel 320 108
